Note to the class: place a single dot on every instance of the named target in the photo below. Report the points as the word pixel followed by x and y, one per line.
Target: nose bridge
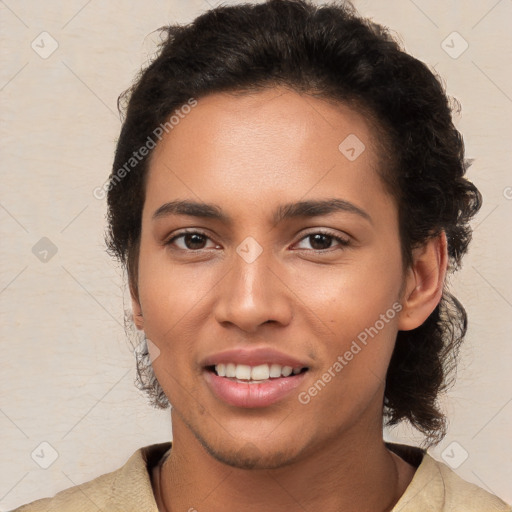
pixel 251 293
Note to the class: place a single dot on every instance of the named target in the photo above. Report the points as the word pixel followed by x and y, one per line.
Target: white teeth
pixel 275 370
pixel 261 372
pixel 221 370
pixel 230 370
pixel 243 372
pixel 286 371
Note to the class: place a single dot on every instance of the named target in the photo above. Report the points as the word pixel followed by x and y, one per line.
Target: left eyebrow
pixel 313 208
pixel 318 208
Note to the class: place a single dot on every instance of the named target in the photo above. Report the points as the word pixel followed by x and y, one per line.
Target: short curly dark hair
pixel 330 52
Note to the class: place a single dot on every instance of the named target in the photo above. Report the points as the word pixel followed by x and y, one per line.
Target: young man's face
pixel 274 291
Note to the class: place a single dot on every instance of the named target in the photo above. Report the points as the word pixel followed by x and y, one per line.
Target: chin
pixel 243 446
pixel 249 456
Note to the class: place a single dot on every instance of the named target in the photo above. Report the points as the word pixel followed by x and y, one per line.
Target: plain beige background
pixel 67 368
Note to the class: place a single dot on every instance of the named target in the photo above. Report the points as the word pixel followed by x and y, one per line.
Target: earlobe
pixel 424 282
pixel 138 318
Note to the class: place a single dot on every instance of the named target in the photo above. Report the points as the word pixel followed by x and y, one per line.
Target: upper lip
pixel 253 357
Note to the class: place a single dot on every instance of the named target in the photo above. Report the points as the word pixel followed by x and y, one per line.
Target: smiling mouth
pixel 254 374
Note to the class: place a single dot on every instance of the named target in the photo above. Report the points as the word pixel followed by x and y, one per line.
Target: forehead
pixel 263 147
pixel 279 117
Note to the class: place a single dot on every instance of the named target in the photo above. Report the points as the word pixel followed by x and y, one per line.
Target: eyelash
pixel 343 242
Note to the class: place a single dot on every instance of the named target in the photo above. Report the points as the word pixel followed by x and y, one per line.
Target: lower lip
pixel 248 395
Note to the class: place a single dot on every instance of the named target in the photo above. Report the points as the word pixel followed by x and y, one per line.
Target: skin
pixel 250 154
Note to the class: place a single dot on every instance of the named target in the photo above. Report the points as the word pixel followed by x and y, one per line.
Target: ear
pixel 424 282
pixel 138 319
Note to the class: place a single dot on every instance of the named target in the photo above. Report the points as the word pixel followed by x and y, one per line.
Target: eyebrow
pixel 312 208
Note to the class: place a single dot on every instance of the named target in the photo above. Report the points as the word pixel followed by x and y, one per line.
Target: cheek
pixel 166 291
pixel 355 356
pixel 359 303
pixel 169 298
pixel 352 296
pixel 166 295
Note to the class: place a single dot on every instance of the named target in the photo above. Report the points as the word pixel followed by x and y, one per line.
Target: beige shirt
pixel 434 488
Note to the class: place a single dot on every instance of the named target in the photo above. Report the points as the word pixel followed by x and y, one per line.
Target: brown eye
pixel 191 241
pixel 323 241
pixel 194 241
pixel 320 241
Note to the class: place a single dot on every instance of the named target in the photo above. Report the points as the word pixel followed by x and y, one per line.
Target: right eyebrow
pixel 191 208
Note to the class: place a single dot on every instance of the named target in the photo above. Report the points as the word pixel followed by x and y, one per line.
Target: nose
pixel 253 293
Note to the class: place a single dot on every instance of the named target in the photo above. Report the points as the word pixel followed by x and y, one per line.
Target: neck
pixel 350 473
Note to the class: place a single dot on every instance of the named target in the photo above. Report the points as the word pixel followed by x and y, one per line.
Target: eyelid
pixel 343 241
pixel 189 231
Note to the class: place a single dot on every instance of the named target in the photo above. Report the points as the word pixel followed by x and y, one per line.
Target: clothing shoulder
pixel 87 497
pixel 123 490
pixel 464 496
pixel 437 488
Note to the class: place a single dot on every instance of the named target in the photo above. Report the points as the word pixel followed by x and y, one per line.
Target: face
pixel 295 262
